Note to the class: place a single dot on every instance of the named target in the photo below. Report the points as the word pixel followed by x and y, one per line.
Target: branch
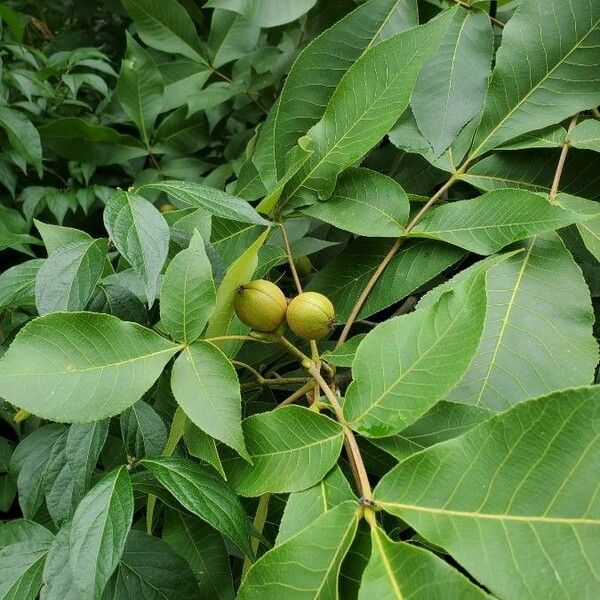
pixel 469 7
pixel 561 161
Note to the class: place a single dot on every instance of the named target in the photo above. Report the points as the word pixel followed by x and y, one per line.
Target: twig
pixel 561 161
pixel 469 7
pixel 288 250
pixel 391 253
pixel 307 387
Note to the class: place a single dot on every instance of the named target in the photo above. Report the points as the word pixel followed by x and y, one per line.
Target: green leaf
pixel 343 279
pixel 23 548
pixel 291 449
pixel 450 89
pixel 79 140
pixel 238 273
pixel 343 355
pixel 57 236
pixel 149 568
pixel 70 468
pixel 58 580
pixel 537 336
pixel 535 171
pixel 444 421
pixel 67 279
pixel 140 89
pixel 366 203
pixel 201 491
pixel 323 62
pixel 231 36
pixel 119 302
pixel 206 387
pixel 188 295
pixel 203 548
pixel 487 224
pixel 307 566
pixel 179 135
pixel 547 59
pixel 98 533
pixel 553 136
pixel 586 135
pixel 144 432
pixel 303 508
pixel 29 463
pixel 187 194
pixel 202 446
pixel 141 235
pixel 516 503
pixel 17 284
pixel 363 108
pixel 398 570
pixel 105 365
pixel 407 364
pixel 266 13
pixel 165 25
pixel 23 136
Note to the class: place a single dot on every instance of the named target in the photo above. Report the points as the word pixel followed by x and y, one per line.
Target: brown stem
pixel 561 160
pixel 469 7
pixel 391 253
pixel 307 387
pixel 288 250
pixel 349 440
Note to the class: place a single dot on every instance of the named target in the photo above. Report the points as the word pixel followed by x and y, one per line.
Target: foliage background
pixel 486 466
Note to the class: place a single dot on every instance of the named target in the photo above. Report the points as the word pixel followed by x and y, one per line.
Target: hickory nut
pixel 310 315
pixel 261 305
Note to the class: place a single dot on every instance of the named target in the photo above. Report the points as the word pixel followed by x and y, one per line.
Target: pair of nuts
pixel 262 306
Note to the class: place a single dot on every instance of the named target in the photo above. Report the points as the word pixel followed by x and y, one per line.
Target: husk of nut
pixel 310 316
pixel 261 305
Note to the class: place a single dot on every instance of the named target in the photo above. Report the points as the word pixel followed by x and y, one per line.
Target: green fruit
pixel 310 315
pixel 303 266
pixel 166 207
pixel 261 305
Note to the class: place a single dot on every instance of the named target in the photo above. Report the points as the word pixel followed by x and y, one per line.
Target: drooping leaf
pixel 165 25
pixel 67 279
pixel 537 336
pixel 187 194
pixel 363 108
pixel 141 235
pixel 140 88
pixel 58 580
pixel 98 533
pixel 144 432
pixel 149 568
pixel 450 88
pixel 105 365
pixel 516 504
pixel 303 508
pixel 201 491
pixel 398 570
pixel 343 279
pixel 548 58
pixel 202 446
pixel 291 449
pixel 407 364
pixel 204 550
pixel 305 567
pixel 364 202
pixel 240 272
pixel 23 548
pixel 323 62
pixel 206 387
pixel 487 224
pixel 188 295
